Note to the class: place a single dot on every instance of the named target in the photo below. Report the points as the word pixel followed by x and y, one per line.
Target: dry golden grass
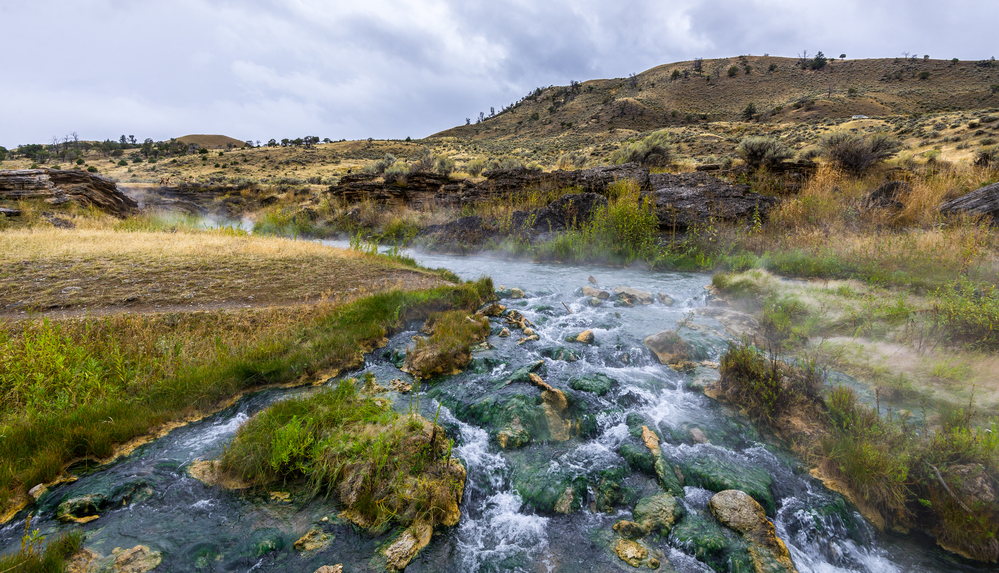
pixel 92 268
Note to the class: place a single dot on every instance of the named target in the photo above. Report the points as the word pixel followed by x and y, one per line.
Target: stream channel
pixel 509 522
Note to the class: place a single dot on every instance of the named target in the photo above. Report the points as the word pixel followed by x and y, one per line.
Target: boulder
pixel 633 295
pixel 668 347
pixel 740 512
pixel 585 337
pixel 688 199
pixel 462 232
pixel 887 196
pixel 338 568
pixel 596 292
pixel 10 212
pixel 984 201
pixel 716 475
pixel 59 186
pixel 415 190
pixel 973 483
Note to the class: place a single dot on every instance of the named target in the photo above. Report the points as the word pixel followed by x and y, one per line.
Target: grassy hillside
pixel 676 94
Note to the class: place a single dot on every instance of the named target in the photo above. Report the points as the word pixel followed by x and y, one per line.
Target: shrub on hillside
pixel 858 154
pixel 987 156
pixel 653 151
pixel 763 151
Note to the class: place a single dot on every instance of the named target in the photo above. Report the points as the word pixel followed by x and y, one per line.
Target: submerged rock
pixel 314 540
pixel 717 475
pixel 138 559
pixel 631 552
pixel 597 383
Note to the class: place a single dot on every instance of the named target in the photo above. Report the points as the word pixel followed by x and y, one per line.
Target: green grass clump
pixel 384 467
pixel 103 393
pixel 32 558
pixel 447 349
pixel 970 313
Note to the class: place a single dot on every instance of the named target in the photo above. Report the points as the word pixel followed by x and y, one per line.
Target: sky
pixel 261 69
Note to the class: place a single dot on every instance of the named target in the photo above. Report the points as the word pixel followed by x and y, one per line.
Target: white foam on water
pixel 211 435
pixel 501 533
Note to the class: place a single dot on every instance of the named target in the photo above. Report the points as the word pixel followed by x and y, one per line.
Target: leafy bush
pixel 123 163
pixel 763 151
pixel 858 154
pixel 92 169
pixel 732 71
pixel 653 151
pixel 475 167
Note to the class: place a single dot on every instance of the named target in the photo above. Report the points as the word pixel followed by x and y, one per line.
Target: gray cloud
pixel 258 69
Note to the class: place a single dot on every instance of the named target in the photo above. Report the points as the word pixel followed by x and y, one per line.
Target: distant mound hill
pixel 212 141
pixel 720 90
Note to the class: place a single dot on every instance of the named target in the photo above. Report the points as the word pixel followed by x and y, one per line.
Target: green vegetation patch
pixel 76 390
pixel 447 349
pixel 384 467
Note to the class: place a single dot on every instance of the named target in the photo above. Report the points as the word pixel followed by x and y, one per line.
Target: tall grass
pixel 115 379
pixel 32 557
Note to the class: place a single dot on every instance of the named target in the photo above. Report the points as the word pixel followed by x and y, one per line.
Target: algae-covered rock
pixel 668 347
pixel 658 513
pixel 668 478
pixel 631 552
pixel 717 475
pixel 314 540
pixel 720 548
pixel 86 507
pixel 549 492
pixel 598 383
pixel 741 513
pixel 523 374
pixel 608 488
pixel 594 302
pixel 559 353
pixel 639 458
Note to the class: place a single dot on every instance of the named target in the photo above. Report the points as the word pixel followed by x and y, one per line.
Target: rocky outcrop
pixel 56 187
pixel 686 199
pixel 138 559
pixel 566 212
pixel 415 190
pixel 984 201
pixel 507 182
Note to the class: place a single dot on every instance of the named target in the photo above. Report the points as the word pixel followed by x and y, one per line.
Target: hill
pixel 780 89
pixel 212 141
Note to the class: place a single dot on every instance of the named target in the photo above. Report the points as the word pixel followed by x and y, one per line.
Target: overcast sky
pixel 257 69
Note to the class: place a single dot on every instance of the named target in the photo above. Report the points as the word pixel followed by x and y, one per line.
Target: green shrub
pixel 732 71
pixel 123 163
pixel 759 151
pixel 987 157
pixel 652 151
pixel 92 169
pixel 856 153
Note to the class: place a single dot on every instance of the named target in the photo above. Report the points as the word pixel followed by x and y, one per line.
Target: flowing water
pixel 508 522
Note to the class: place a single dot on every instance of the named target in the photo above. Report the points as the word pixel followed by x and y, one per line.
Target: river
pixel 506 525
